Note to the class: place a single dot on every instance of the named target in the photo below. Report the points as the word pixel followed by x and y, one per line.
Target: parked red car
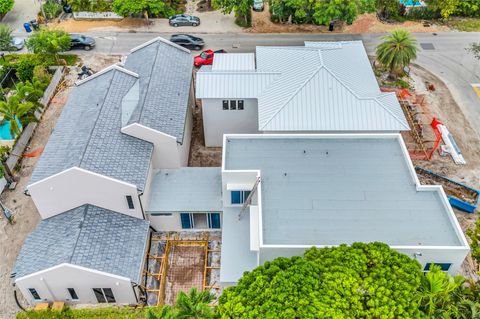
pixel 206 57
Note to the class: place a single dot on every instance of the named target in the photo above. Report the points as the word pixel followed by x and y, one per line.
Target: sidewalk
pixel 23 11
pixel 211 22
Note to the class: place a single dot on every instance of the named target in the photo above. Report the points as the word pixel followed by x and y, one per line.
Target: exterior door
pixel 187 220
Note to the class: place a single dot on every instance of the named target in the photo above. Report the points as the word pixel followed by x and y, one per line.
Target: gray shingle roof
pixel 86 236
pixel 87 134
pixel 165 73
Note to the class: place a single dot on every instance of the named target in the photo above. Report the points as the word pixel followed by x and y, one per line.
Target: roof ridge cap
pixel 292 96
pixel 374 98
pixel 85 210
pixel 116 66
pixel 154 40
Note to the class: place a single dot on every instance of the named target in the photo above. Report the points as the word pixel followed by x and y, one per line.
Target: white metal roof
pixel 324 86
pixel 233 62
pixel 232 84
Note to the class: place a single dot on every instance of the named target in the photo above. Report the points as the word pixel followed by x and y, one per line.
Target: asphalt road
pixel 446 57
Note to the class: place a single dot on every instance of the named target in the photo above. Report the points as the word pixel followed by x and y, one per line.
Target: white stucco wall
pixel 424 255
pixel 52 285
pixel 184 148
pixel 165 223
pixel 217 121
pixel 237 180
pixel 76 187
pixel 167 153
pixel 173 222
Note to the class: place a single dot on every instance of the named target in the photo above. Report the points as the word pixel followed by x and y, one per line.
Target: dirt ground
pixel 26 215
pixel 201 156
pixel 442 105
pixel 366 23
pixel 185 271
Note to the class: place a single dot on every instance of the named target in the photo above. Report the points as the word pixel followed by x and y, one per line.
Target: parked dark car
pixel 183 19
pixel 79 41
pixel 188 41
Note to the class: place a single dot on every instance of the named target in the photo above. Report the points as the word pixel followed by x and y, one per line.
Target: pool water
pixel 411 3
pixel 5 133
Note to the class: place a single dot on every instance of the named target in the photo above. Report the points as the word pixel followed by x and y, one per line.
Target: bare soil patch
pixel 185 271
pixel 442 105
pixel 200 155
pixel 365 23
pixel 72 25
pixel 368 23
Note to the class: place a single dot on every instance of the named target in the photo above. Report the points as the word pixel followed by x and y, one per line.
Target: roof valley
pixel 80 225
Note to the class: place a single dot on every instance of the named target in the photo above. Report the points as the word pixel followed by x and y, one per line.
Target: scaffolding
pixel 178 261
pixel 423 139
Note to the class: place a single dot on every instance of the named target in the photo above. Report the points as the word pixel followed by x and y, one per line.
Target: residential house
pixel 92 182
pixel 323 87
pixel 328 190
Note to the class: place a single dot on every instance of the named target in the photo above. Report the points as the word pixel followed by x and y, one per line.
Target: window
pixel 443 266
pixel 73 293
pixel 109 295
pixel 104 295
pixel 130 202
pixel 214 220
pixel 187 220
pixel 239 197
pixel 225 105
pixel 34 293
pixel 232 105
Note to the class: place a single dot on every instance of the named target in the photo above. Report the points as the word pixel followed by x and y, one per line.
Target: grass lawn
pixel 464 24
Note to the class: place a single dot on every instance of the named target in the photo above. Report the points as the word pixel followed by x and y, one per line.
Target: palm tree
pixel 437 292
pixel 194 305
pixel 165 312
pixel 14 110
pixel 396 51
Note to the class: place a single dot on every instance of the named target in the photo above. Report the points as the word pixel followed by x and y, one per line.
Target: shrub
pixel 366 6
pixel 98 313
pixel 49 42
pixel 41 74
pixel 358 281
pixel 91 5
pixel 5 37
pixel 24 67
pixel 52 9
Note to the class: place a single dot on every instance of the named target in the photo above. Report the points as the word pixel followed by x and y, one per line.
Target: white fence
pixel 84 15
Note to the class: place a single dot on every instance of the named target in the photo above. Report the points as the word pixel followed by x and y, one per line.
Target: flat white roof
pixel 339 189
pixel 186 189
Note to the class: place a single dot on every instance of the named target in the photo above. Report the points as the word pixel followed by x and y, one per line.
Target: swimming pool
pixel 412 3
pixel 5 133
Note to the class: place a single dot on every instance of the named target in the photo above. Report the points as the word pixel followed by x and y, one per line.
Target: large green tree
pixel 444 7
pixel 49 42
pixel 329 10
pixel 397 50
pixel 242 8
pixel 358 281
pixel 147 8
pixel 5 6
